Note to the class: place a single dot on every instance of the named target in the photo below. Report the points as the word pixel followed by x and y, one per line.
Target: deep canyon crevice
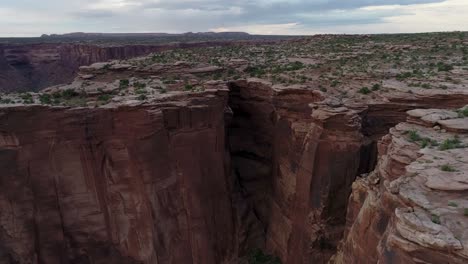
pixel 198 178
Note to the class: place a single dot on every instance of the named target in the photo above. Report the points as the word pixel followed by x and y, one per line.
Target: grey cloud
pixel 203 15
pixel 93 14
pixel 282 11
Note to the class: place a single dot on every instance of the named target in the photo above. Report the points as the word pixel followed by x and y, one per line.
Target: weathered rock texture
pixel 296 163
pixel 165 182
pixel 411 209
pixel 31 67
pixel 296 155
pixel 143 184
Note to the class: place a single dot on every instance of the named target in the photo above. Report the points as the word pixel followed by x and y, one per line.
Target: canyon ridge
pixel 235 149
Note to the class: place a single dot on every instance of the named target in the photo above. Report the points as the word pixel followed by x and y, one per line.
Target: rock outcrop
pixel 201 156
pixel 413 207
pixel 144 184
pixel 296 156
pixel 32 67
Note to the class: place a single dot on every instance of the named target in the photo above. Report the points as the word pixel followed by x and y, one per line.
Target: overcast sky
pixel 33 17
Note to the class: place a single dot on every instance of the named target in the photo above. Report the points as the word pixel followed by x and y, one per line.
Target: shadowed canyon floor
pixel 340 149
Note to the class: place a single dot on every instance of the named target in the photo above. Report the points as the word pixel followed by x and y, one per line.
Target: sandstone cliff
pixel 412 208
pixel 184 157
pixel 32 67
pixel 143 184
pixel 191 177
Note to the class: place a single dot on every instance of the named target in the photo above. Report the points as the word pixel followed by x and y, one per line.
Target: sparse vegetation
pixel 141 91
pixel 376 87
pixel 450 144
pixel 435 219
pixel 105 98
pixel 463 112
pixel 414 136
pixel 447 168
pixel 258 257
pixel 444 67
pixel 45 99
pixel 27 98
pixel 142 97
pixel 69 93
pixel 123 84
pixel 5 101
pixel 139 85
pixel 188 87
pixel 364 90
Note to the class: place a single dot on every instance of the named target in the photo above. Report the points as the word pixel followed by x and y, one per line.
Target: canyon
pixel 36 66
pixel 143 161
pixel 32 65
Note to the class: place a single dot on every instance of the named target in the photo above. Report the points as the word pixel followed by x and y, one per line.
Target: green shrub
pixel 139 85
pixel 376 87
pixel 450 144
pixel 414 136
pixel 124 84
pixel 452 204
pixel 142 97
pixel 463 112
pixel 45 99
pixel 426 86
pixel 447 168
pixel 334 83
pixel 465 212
pixel 68 94
pixel 404 75
pixel 141 91
pixel 188 87
pixel 435 219
pixel 295 66
pixel 104 98
pixel 425 142
pixel 27 98
pixel 5 101
pixel 255 71
pixel 444 67
pixel 364 90
pixel 258 257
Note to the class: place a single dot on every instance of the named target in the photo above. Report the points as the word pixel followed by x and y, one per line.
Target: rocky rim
pixel 202 155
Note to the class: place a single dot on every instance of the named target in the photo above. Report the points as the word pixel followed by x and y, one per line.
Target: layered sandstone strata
pixel 296 156
pixel 122 184
pixel 413 207
pixel 32 67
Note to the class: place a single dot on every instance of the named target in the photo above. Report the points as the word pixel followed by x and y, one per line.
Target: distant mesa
pixel 93 35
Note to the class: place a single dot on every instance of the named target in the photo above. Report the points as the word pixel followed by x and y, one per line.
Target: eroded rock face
pixel 143 184
pixel 35 66
pixel 412 208
pixel 295 163
pixel 160 182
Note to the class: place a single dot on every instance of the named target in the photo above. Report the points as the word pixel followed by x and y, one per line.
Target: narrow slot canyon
pixel 294 168
pixel 295 159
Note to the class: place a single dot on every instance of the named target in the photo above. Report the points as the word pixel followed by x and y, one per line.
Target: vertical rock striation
pixel 411 208
pixel 140 184
pixel 295 163
pixel 206 176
